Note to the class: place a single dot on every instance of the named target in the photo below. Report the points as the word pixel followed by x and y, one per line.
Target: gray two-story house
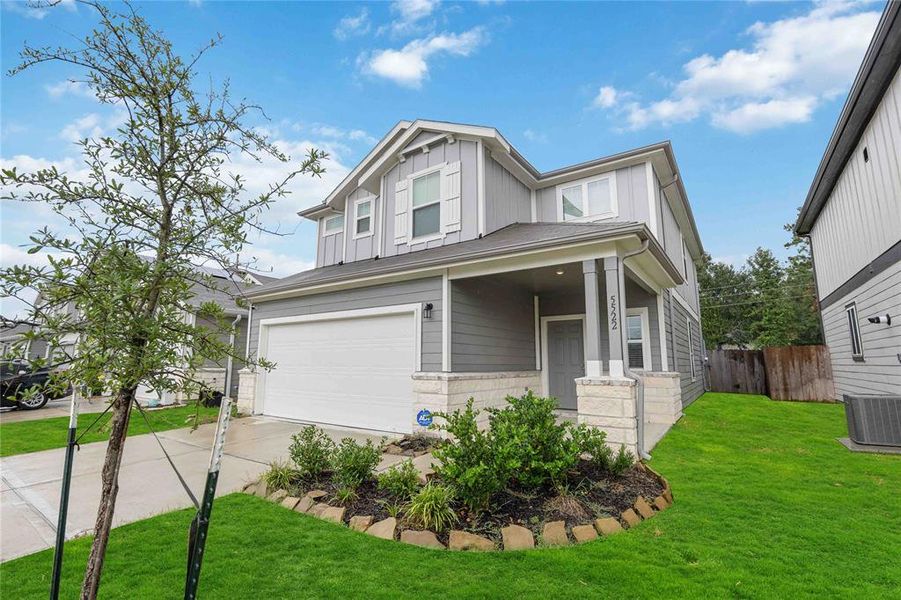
pixel 448 267
pixel 852 216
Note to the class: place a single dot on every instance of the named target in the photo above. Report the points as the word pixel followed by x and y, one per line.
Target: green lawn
pixel 42 434
pixel 768 505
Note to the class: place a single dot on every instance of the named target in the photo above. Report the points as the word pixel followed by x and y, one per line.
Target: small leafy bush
pixel 593 442
pixel 401 480
pixel 280 476
pixel 530 444
pixel 311 451
pixel 467 461
pixel 622 462
pixel 354 463
pixel 431 507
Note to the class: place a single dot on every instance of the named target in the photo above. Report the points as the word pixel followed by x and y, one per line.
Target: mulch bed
pixel 589 493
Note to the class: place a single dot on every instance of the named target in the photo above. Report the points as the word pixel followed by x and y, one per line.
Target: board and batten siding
pixel 328 248
pixel 391 294
pixel 492 327
pixel 463 151
pixel 880 370
pixel 631 196
pixel 507 199
pixel 363 247
pixel 692 387
pixel 862 217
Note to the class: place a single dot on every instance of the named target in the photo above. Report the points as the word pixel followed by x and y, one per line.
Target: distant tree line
pixel 765 302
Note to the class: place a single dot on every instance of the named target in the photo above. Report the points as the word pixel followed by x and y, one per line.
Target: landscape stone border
pixel 514 537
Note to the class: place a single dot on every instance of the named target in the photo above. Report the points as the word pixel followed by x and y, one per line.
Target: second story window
pixel 362 218
pixel 333 225
pixel 588 199
pixel 427 205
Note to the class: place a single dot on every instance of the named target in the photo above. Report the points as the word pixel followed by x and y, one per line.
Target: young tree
pixel 158 198
pixel 770 312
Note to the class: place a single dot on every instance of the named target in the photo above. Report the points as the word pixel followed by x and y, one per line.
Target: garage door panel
pixel 351 371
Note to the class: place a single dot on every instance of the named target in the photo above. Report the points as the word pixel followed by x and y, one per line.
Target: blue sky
pixel 747 92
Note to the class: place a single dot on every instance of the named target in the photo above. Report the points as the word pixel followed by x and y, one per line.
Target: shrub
pixel 346 495
pixel 468 460
pixel 623 461
pixel 431 507
pixel 530 444
pixel 354 463
pixel 311 450
pixel 280 476
pixel 593 442
pixel 401 480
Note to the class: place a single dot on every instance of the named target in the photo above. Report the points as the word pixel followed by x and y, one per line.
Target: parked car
pixel 17 376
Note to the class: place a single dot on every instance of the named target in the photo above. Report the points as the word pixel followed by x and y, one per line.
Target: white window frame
pixel 614 202
pixel 854 331
pixel 641 311
pixel 691 349
pixel 357 217
pixel 325 220
pixel 411 241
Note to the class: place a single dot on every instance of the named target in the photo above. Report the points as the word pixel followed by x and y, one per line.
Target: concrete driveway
pixel 30 487
pixel 54 408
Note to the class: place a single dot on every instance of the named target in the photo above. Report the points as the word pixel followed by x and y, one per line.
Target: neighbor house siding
pixel 405 292
pixel 507 199
pixel 362 247
pixel 461 150
pixel 492 327
pixel 862 217
pixel 880 370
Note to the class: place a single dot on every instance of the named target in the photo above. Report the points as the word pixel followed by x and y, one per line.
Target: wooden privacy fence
pixel 782 373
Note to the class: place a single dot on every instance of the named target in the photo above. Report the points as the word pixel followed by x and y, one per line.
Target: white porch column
pixel 616 295
pixel 593 363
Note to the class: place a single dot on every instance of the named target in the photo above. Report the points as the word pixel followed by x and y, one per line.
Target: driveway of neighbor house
pixel 30 487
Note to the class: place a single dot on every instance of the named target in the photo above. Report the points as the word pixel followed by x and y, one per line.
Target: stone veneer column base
pixel 662 397
pixel 247 387
pixel 608 403
pixel 447 392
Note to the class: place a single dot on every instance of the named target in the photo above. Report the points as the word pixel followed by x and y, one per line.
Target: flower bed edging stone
pixel 515 537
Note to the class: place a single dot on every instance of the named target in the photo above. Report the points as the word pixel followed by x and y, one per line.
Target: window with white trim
pixel 854 331
pixel 588 199
pixel 333 225
pixel 426 201
pixel 638 341
pixel 691 348
pixel 363 218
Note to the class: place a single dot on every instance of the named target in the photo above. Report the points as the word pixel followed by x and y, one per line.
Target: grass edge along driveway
pixel 768 505
pixel 21 437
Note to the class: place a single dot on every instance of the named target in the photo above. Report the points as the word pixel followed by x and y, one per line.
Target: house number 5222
pixel 613 314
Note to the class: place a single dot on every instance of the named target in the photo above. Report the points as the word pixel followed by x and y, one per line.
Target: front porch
pixel 589 333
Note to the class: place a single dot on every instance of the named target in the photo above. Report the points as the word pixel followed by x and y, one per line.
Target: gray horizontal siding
pixel 880 370
pixel 691 388
pixel 405 292
pixel 507 199
pixel 492 327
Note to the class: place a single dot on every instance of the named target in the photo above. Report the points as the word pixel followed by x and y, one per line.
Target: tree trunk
pixel 108 492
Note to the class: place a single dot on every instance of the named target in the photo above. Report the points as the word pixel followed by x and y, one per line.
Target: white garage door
pixel 351 371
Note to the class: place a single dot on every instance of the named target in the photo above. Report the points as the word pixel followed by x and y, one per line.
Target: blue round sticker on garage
pixel 424 417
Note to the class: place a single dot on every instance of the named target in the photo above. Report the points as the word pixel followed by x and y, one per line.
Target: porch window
pixel 362 218
pixel 427 205
pixel 854 331
pixel 638 342
pixel 588 199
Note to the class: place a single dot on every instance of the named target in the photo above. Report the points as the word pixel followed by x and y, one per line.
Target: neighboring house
pixel 852 216
pixel 12 333
pixel 448 267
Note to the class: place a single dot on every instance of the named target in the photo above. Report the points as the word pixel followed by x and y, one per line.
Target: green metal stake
pixel 201 522
pixel 64 498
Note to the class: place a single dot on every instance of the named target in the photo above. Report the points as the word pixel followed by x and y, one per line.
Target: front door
pixel 565 360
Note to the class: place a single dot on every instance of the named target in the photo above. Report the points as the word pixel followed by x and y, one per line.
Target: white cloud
pixel 331 132
pixel 353 25
pixel 93 125
pixel 410 13
pixel 69 87
pixel 607 97
pixel 30 11
pixel 409 65
pixel 534 136
pixel 791 67
pixel 275 264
